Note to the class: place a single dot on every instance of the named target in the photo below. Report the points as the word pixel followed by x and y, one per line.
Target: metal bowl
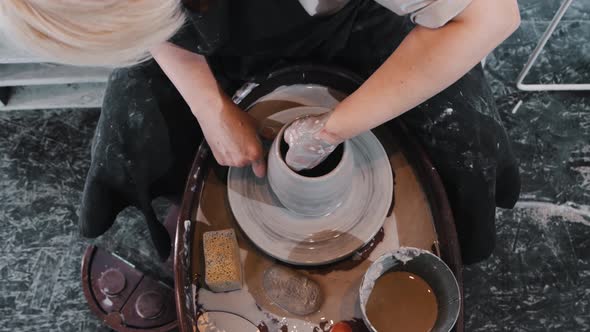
pixel 430 268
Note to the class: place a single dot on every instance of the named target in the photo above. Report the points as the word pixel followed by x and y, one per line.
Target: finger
pixel 316 161
pixel 294 160
pixel 259 168
pixel 240 163
pixel 290 134
pixel 221 160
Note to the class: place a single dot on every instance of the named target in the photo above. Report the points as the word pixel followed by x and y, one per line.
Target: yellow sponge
pixel 223 270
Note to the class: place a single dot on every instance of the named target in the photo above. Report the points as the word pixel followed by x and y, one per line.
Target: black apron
pixel 243 40
pixel 460 127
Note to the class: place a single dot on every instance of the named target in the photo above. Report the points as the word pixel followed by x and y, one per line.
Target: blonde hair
pixel 90 32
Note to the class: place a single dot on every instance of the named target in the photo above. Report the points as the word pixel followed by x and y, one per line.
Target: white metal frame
pixel 548 87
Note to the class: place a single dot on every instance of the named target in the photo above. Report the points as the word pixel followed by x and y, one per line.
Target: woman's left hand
pixel 309 143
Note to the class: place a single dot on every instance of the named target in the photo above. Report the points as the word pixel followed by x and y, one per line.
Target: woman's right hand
pixel 232 136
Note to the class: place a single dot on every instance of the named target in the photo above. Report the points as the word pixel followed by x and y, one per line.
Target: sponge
pixel 223 270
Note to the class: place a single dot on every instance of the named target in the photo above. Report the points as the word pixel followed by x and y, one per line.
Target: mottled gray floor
pixel 539 276
pixel 44 157
pixel 537 280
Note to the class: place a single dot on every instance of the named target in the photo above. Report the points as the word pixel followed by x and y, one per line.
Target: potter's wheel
pixel 301 240
pixel 420 205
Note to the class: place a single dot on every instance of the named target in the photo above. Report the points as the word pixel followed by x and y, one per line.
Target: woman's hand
pixel 309 143
pixel 234 141
pixel 424 64
pixel 230 132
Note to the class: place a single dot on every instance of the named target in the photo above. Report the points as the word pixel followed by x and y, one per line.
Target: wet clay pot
pixel 315 192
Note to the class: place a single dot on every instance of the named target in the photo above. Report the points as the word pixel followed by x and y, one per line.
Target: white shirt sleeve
pixel 428 13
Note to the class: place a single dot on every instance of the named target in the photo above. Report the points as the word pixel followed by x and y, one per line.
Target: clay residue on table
pixel 415 226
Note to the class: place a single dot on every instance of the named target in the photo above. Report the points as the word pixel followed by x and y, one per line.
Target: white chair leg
pixel 531 61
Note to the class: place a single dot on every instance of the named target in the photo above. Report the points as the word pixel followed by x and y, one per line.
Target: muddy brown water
pixel 402 301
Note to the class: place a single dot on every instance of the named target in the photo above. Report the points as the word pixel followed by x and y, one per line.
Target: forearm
pixel 192 77
pixel 425 63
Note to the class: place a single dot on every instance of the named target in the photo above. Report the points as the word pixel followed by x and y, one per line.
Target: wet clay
pixel 402 301
pixel 324 167
pixel 292 290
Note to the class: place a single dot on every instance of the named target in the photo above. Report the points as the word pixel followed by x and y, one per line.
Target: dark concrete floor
pixel 537 280
pixel 539 276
